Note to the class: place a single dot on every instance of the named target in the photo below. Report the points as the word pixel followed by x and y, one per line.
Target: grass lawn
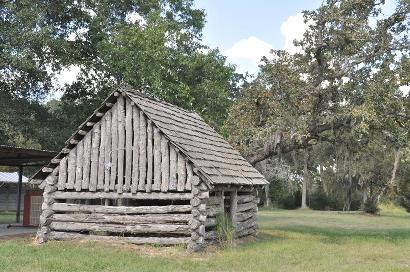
pixel 8 217
pixel 301 240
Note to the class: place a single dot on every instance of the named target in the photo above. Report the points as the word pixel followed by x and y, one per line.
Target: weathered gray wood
pixel 164 164
pixel 114 146
pixel 249 223
pixel 181 172
pixel 62 174
pixel 242 216
pixel 156 186
pixel 135 149
pixel 210 235
pixel 107 151
pixel 148 187
pixel 101 154
pixel 245 199
pixel 71 168
pixel 135 228
pixel 143 152
pixel 247 206
pixel 128 144
pixel 122 219
pixel 132 240
pixel 64 207
pixel 115 195
pixel 95 144
pixel 213 211
pixel 190 174
pixel 121 143
pixel 79 166
pixel 246 232
pixel 234 207
pixel 210 222
pixel 195 180
pixel 87 161
pixel 172 168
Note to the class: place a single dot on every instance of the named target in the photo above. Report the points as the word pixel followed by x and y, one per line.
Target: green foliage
pixel 224 230
pixel 154 46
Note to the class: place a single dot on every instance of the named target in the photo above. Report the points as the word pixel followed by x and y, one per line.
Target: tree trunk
pixel 305 181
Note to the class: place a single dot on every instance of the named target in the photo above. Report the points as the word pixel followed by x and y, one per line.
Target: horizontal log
pixel 114 195
pixel 55 160
pixel 210 222
pixel 242 216
pixel 229 188
pixel 65 207
pixel 135 228
pixel 247 206
pixel 47 169
pixel 213 211
pixel 54 235
pixel 82 132
pixel 73 141
pixel 99 114
pixel 245 232
pixel 250 223
pixel 245 199
pixel 122 219
pixel 210 235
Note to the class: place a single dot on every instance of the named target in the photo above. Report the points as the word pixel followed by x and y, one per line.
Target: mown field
pixel 300 240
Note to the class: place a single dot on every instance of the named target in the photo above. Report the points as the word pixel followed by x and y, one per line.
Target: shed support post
pixel 19 190
pixel 234 207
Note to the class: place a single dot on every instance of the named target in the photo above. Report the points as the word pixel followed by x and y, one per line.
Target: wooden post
pixel 86 161
pixel 143 152
pixel 181 172
pixel 135 149
pixel 71 168
pixel 164 164
pixel 19 190
pixel 107 151
pixel 148 187
pixel 95 143
pixel 62 174
pixel 190 174
pixel 79 166
pixel 234 207
pixel 172 168
pixel 101 155
pixel 114 146
pixel 128 144
pixel 121 144
pixel 157 160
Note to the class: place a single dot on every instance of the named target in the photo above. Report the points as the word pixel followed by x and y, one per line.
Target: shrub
pixel 370 206
pixel 224 230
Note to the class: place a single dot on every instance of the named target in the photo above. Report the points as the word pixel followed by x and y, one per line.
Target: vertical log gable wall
pixel 123 180
pixel 124 152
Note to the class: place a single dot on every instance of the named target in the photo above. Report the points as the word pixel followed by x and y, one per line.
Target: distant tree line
pixel 328 126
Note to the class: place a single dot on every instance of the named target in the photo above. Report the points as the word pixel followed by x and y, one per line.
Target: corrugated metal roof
pixel 11 177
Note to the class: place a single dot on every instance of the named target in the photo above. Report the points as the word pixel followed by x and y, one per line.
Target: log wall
pixel 239 205
pixel 124 152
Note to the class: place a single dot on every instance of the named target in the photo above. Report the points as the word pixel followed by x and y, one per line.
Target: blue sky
pixel 245 30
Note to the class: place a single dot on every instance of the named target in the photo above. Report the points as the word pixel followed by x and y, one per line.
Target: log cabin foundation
pixel 144 171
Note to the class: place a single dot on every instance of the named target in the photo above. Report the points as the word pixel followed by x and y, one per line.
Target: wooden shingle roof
pixel 216 160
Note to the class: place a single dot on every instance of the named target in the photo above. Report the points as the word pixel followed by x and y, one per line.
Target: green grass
pixel 288 241
pixel 8 217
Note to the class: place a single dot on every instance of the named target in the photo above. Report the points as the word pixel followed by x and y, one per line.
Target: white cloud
pixel 66 76
pixel 293 28
pixel 247 53
pixel 135 17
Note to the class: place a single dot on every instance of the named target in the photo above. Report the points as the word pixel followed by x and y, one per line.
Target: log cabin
pixel 144 171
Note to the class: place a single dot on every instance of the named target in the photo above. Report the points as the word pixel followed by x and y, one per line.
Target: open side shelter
pixel 22 157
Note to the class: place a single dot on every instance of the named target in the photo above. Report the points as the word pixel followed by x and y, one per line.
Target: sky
pixel 246 30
